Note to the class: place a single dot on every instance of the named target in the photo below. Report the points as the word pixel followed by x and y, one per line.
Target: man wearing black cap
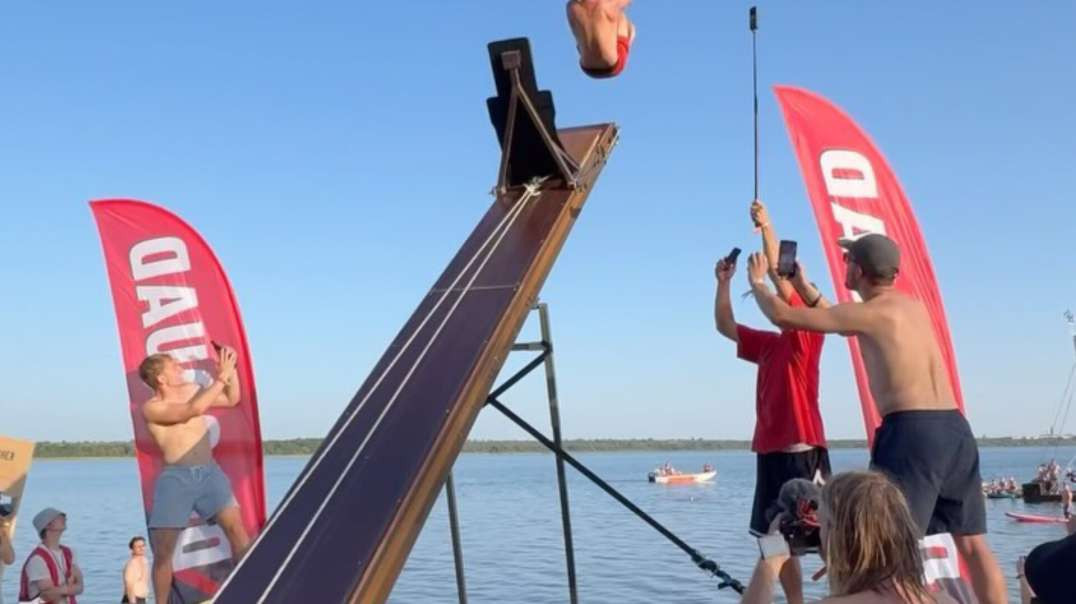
pixel 924 444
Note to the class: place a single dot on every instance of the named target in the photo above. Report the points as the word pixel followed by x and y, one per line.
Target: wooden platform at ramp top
pixel 345 529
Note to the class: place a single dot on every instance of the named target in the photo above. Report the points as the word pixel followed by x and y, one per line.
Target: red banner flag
pixel 171 295
pixel 854 191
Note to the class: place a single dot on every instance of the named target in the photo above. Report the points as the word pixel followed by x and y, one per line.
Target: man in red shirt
pixel 789 439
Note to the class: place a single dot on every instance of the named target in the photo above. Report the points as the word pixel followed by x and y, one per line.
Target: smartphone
pixel 733 255
pixel 773 545
pixel 786 259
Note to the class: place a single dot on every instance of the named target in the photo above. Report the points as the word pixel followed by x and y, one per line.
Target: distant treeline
pixel 306 446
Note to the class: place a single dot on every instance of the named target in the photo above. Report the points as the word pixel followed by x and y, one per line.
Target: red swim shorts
pixel 622 47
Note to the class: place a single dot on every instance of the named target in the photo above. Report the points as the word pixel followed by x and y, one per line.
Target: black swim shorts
pixel 934 459
pixel 773 470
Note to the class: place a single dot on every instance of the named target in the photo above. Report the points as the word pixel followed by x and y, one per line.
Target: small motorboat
pixel 669 475
pixel 1002 495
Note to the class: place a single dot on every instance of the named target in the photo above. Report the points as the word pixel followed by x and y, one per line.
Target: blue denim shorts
pixel 180 490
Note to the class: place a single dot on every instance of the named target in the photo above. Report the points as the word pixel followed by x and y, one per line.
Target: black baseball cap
pixel 1049 570
pixel 875 253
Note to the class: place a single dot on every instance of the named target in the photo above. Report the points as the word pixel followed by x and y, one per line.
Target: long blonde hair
pixel 871 542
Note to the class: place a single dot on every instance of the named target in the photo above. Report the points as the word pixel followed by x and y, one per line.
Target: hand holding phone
pixel 786 259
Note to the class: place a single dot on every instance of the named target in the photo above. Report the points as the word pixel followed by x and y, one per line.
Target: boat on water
pixel 1034 492
pixel 1051 479
pixel 1001 488
pixel 667 474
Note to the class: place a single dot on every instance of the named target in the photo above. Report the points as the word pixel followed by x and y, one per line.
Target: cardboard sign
pixel 15 458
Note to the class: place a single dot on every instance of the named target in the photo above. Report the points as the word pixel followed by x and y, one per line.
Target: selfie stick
pixel 753 24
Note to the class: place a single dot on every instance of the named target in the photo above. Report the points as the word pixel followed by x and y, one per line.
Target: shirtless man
pixel 924 443
pixel 190 480
pixel 136 573
pixel 603 35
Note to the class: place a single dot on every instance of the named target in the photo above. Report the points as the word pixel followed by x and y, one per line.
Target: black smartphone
pixel 801 537
pixel 786 259
pixel 733 255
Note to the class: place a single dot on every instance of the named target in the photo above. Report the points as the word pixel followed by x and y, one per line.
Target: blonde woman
pixel 870 545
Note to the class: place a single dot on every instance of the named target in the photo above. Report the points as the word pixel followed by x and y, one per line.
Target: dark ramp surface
pixel 344 530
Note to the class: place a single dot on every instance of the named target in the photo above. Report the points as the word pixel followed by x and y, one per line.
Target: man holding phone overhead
pixel 191 480
pixel 789 439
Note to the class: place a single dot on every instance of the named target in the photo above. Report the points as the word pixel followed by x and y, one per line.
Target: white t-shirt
pixel 37 570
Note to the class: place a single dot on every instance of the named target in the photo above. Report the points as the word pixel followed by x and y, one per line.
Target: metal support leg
pixel 554 417
pixel 457 549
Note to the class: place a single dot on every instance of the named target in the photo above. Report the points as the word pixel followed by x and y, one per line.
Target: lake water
pixel 510 519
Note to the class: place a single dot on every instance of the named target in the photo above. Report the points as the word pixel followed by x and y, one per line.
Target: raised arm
pixel 771 246
pixel 231 395
pixel 159 412
pixel 846 319
pixel 809 292
pixel 723 318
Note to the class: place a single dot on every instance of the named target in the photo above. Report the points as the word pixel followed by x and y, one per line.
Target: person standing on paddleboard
pixel 924 444
pixel 789 439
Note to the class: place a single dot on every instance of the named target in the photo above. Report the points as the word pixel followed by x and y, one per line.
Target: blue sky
pixel 336 154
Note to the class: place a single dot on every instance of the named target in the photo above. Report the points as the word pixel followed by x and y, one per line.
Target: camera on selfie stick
pixel 797 508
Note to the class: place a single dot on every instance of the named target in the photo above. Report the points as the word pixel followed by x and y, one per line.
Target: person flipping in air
pixel 603 35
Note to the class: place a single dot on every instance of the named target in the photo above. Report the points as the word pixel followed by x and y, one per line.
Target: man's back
pixel 902 357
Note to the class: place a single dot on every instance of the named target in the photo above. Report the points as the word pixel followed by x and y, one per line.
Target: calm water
pixel 512 543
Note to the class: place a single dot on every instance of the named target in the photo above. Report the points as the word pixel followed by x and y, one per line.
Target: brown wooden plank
pixel 344 530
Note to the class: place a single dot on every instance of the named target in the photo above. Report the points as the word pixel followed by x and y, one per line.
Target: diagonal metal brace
pixel 567 166
pixel 519 375
pixel 701 561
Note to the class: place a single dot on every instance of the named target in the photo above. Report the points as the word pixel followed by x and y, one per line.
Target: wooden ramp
pixel 345 528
